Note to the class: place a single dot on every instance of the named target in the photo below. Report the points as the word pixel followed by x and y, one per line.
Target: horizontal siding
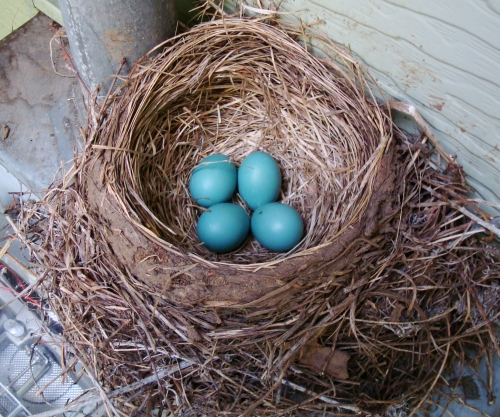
pixel 13 14
pixel 49 8
pixel 442 56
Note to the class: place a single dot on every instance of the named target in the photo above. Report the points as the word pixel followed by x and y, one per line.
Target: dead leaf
pixel 192 334
pixel 395 316
pixel 324 360
pixel 5 131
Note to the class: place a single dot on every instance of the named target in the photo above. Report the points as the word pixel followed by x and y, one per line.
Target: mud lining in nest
pixel 390 286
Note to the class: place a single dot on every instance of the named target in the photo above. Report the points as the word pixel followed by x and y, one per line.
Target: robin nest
pixel 390 285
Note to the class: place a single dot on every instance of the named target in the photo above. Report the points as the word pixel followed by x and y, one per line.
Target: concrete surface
pixel 41 109
pixel 8 183
pixel 43 112
pixel 471 400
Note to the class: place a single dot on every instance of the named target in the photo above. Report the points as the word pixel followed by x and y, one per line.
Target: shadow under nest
pixel 367 313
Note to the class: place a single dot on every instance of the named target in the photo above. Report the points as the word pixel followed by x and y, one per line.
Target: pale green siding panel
pixel 49 8
pixel 13 14
pixel 443 56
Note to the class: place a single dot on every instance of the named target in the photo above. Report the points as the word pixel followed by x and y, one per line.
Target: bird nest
pixel 235 87
pixel 387 288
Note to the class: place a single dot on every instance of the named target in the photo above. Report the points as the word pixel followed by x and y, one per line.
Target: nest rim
pixel 125 147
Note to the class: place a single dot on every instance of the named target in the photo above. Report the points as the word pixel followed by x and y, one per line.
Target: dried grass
pixel 411 289
pixel 234 88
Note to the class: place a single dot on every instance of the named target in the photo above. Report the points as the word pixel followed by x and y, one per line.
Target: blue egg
pixel 213 181
pixel 278 227
pixel 259 180
pixel 223 228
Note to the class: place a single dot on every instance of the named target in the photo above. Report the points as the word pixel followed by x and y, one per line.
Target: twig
pixel 321 397
pixel 478 220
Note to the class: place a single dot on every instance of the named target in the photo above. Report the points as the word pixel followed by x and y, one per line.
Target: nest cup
pixel 232 88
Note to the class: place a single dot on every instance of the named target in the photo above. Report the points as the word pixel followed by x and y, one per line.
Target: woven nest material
pixel 234 88
pixel 389 286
